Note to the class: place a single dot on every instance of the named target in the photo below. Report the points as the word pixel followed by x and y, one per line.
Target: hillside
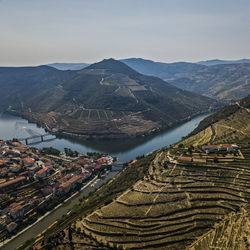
pixel 162 70
pixel 143 66
pixel 182 198
pixel 19 84
pixel 224 82
pixel 219 79
pixel 106 99
pixel 230 124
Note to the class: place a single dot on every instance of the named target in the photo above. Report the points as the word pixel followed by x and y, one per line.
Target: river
pixel 125 150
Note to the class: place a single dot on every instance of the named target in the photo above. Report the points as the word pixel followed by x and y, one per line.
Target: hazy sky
pixel 36 32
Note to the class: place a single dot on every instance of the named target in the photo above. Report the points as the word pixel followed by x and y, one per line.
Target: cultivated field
pixel 176 206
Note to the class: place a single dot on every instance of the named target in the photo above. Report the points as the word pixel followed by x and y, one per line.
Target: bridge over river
pixel 42 138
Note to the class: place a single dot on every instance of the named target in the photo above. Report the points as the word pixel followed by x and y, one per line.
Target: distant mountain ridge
pixel 105 99
pixel 220 79
pixel 150 67
pixel 217 61
pixel 228 82
pixel 159 69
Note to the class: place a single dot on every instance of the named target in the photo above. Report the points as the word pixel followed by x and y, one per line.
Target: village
pixel 35 181
pixel 208 153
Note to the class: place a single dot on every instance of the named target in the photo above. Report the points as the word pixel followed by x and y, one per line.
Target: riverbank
pixel 47 213
pixel 103 196
pixel 68 134
pixel 125 150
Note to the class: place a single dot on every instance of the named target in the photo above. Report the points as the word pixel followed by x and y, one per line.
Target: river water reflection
pixel 125 149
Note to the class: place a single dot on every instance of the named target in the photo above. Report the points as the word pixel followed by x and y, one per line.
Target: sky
pixel 35 32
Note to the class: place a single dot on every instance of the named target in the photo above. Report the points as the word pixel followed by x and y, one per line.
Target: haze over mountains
pixel 105 99
pixel 221 79
pixel 218 61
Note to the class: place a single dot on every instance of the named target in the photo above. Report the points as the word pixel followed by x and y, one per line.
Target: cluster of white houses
pixel 213 148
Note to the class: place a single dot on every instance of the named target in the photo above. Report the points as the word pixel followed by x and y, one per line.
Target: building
pixel 71 183
pixel 11 227
pixel 199 160
pixel 28 162
pixel 2 181
pixel 11 183
pixel 214 148
pixel 42 173
pixel 210 148
pixel 17 212
pixel 185 158
pixel 228 147
pixel 2 223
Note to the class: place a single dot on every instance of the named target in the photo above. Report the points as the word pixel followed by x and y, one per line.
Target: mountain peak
pixel 112 65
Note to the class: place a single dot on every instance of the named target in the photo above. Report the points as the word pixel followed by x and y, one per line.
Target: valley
pixel 187 197
pixel 107 99
pixel 124 125
pixel 226 80
pixel 182 195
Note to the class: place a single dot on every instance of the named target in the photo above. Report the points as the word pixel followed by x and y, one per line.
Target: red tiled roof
pixel 38 246
pixel 211 146
pixel 67 176
pixel 28 160
pixel 72 180
pixel 185 158
pixel 43 170
pixel 17 144
pixel 226 145
pixel 24 155
pixel 7 183
pixel 3 162
pixel 14 204
pixel 81 161
pixel 24 173
pixel 97 166
pixel 199 160
pixel 2 180
pixel 11 225
pixel 13 210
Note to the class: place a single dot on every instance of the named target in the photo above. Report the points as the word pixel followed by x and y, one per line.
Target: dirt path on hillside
pixel 225 126
pixel 248 110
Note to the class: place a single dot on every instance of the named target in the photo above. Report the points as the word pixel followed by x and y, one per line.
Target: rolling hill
pixel 175 198
pixel 226 82
pixel 220 79
pixel 106 99
pixel 230 124
pixel 162 70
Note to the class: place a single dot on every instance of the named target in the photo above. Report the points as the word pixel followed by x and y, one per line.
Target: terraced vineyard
pixel 95 122
pixel 172 206
pixel 175 206
pixel 179 203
